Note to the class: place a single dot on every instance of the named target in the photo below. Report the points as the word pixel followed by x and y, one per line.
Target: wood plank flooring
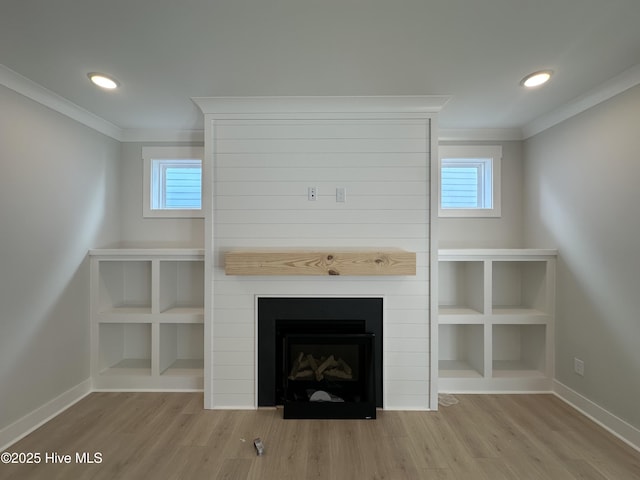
pixel 170 436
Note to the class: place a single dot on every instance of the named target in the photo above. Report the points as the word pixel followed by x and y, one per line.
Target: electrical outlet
pixel 341 194
pixel 578 366
pixel 312 194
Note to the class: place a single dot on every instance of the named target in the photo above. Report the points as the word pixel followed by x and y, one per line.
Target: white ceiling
pixel 166 51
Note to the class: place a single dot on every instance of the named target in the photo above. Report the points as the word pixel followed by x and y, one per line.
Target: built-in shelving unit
pixel 147 310
pixel 495 317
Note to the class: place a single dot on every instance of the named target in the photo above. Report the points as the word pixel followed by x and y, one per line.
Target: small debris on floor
pixel 446 399
pixel 259 446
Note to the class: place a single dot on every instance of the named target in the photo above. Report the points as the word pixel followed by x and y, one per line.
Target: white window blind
pixel 469 181
pixel 465 183
pixel 177 184
pixel 172 184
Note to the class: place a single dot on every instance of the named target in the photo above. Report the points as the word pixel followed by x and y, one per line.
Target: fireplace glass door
pixel 328 376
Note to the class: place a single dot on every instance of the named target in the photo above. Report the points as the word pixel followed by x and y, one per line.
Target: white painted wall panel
pixel 310 229
pixel 406 359
pixel 406 244
pixel 232 359
pixel 321 145
pixel 385 204
pixel 323 159
pixel 249 285
pixel 262 170
pixel 414 373
pixel 234 372
pixel 418 388
pixel 292 189
pixel 302 288
pixel 348 217
pixel 234 330
pixel 403 344
pixel 321 173
pixel 322 129
pixel 234 401
pixel 226 344
pixel 230 386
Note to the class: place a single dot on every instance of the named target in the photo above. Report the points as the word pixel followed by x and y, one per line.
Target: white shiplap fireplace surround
pixel 262 155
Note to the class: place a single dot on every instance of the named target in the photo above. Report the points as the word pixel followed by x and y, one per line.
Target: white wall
pixel 502 232
pixel 262 172
pixel 138 231
pixel 582 197
pixel 58 198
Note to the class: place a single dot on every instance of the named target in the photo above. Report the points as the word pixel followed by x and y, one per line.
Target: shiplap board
pixel 234 330
pixel 229 344
pixel 324 189
pixel 370 284
pixel 407 372
pixel 409 244
pixel 262 171
pixel 381 203
pixel 234 372
pixel 320 160
pixel 320 217
pixel 239 358
pixel 234 386
pixel 410 402
pixel 322 129
pixel 323 145
pixel 321 173
pixel 309 229
pixel 234 401
pixel 406 359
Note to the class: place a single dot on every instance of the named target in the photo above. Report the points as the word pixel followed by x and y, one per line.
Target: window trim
pixel 167 153
pixel 473 152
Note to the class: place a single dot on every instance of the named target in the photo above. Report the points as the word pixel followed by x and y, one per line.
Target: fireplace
pixel 320 357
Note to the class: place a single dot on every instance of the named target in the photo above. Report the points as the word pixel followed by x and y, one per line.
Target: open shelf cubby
pixel 519 350
pixel 461 287
pixel 461 351
pixel 181 286
pixel 181 349
pixel 125 349
pixel 519 287
pixel 124 286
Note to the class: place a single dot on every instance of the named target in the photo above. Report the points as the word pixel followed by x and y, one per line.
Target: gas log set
pixel 307 367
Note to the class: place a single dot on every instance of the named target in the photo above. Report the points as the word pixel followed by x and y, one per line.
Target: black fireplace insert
pixel 338 340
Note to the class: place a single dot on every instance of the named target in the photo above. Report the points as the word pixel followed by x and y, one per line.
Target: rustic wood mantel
pixel 326 262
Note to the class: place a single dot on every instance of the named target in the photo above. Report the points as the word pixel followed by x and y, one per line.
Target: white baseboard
pixel 614 425
pixel 27 424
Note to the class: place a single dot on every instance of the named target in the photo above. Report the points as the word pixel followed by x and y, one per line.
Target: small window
pixel 470 181
pixel 172 181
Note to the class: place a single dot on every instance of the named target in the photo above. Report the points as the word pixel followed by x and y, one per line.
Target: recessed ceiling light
pixel 536 79
pixel 103 81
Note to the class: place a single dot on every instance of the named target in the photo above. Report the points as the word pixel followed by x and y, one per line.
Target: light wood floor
pixel 170 436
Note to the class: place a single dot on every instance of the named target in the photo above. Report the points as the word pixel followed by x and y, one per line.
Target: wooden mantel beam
pixel 326 262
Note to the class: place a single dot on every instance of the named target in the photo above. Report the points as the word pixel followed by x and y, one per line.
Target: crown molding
pixel 162 135
pixel 43 96
pixel 320 106
pixel 618 84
